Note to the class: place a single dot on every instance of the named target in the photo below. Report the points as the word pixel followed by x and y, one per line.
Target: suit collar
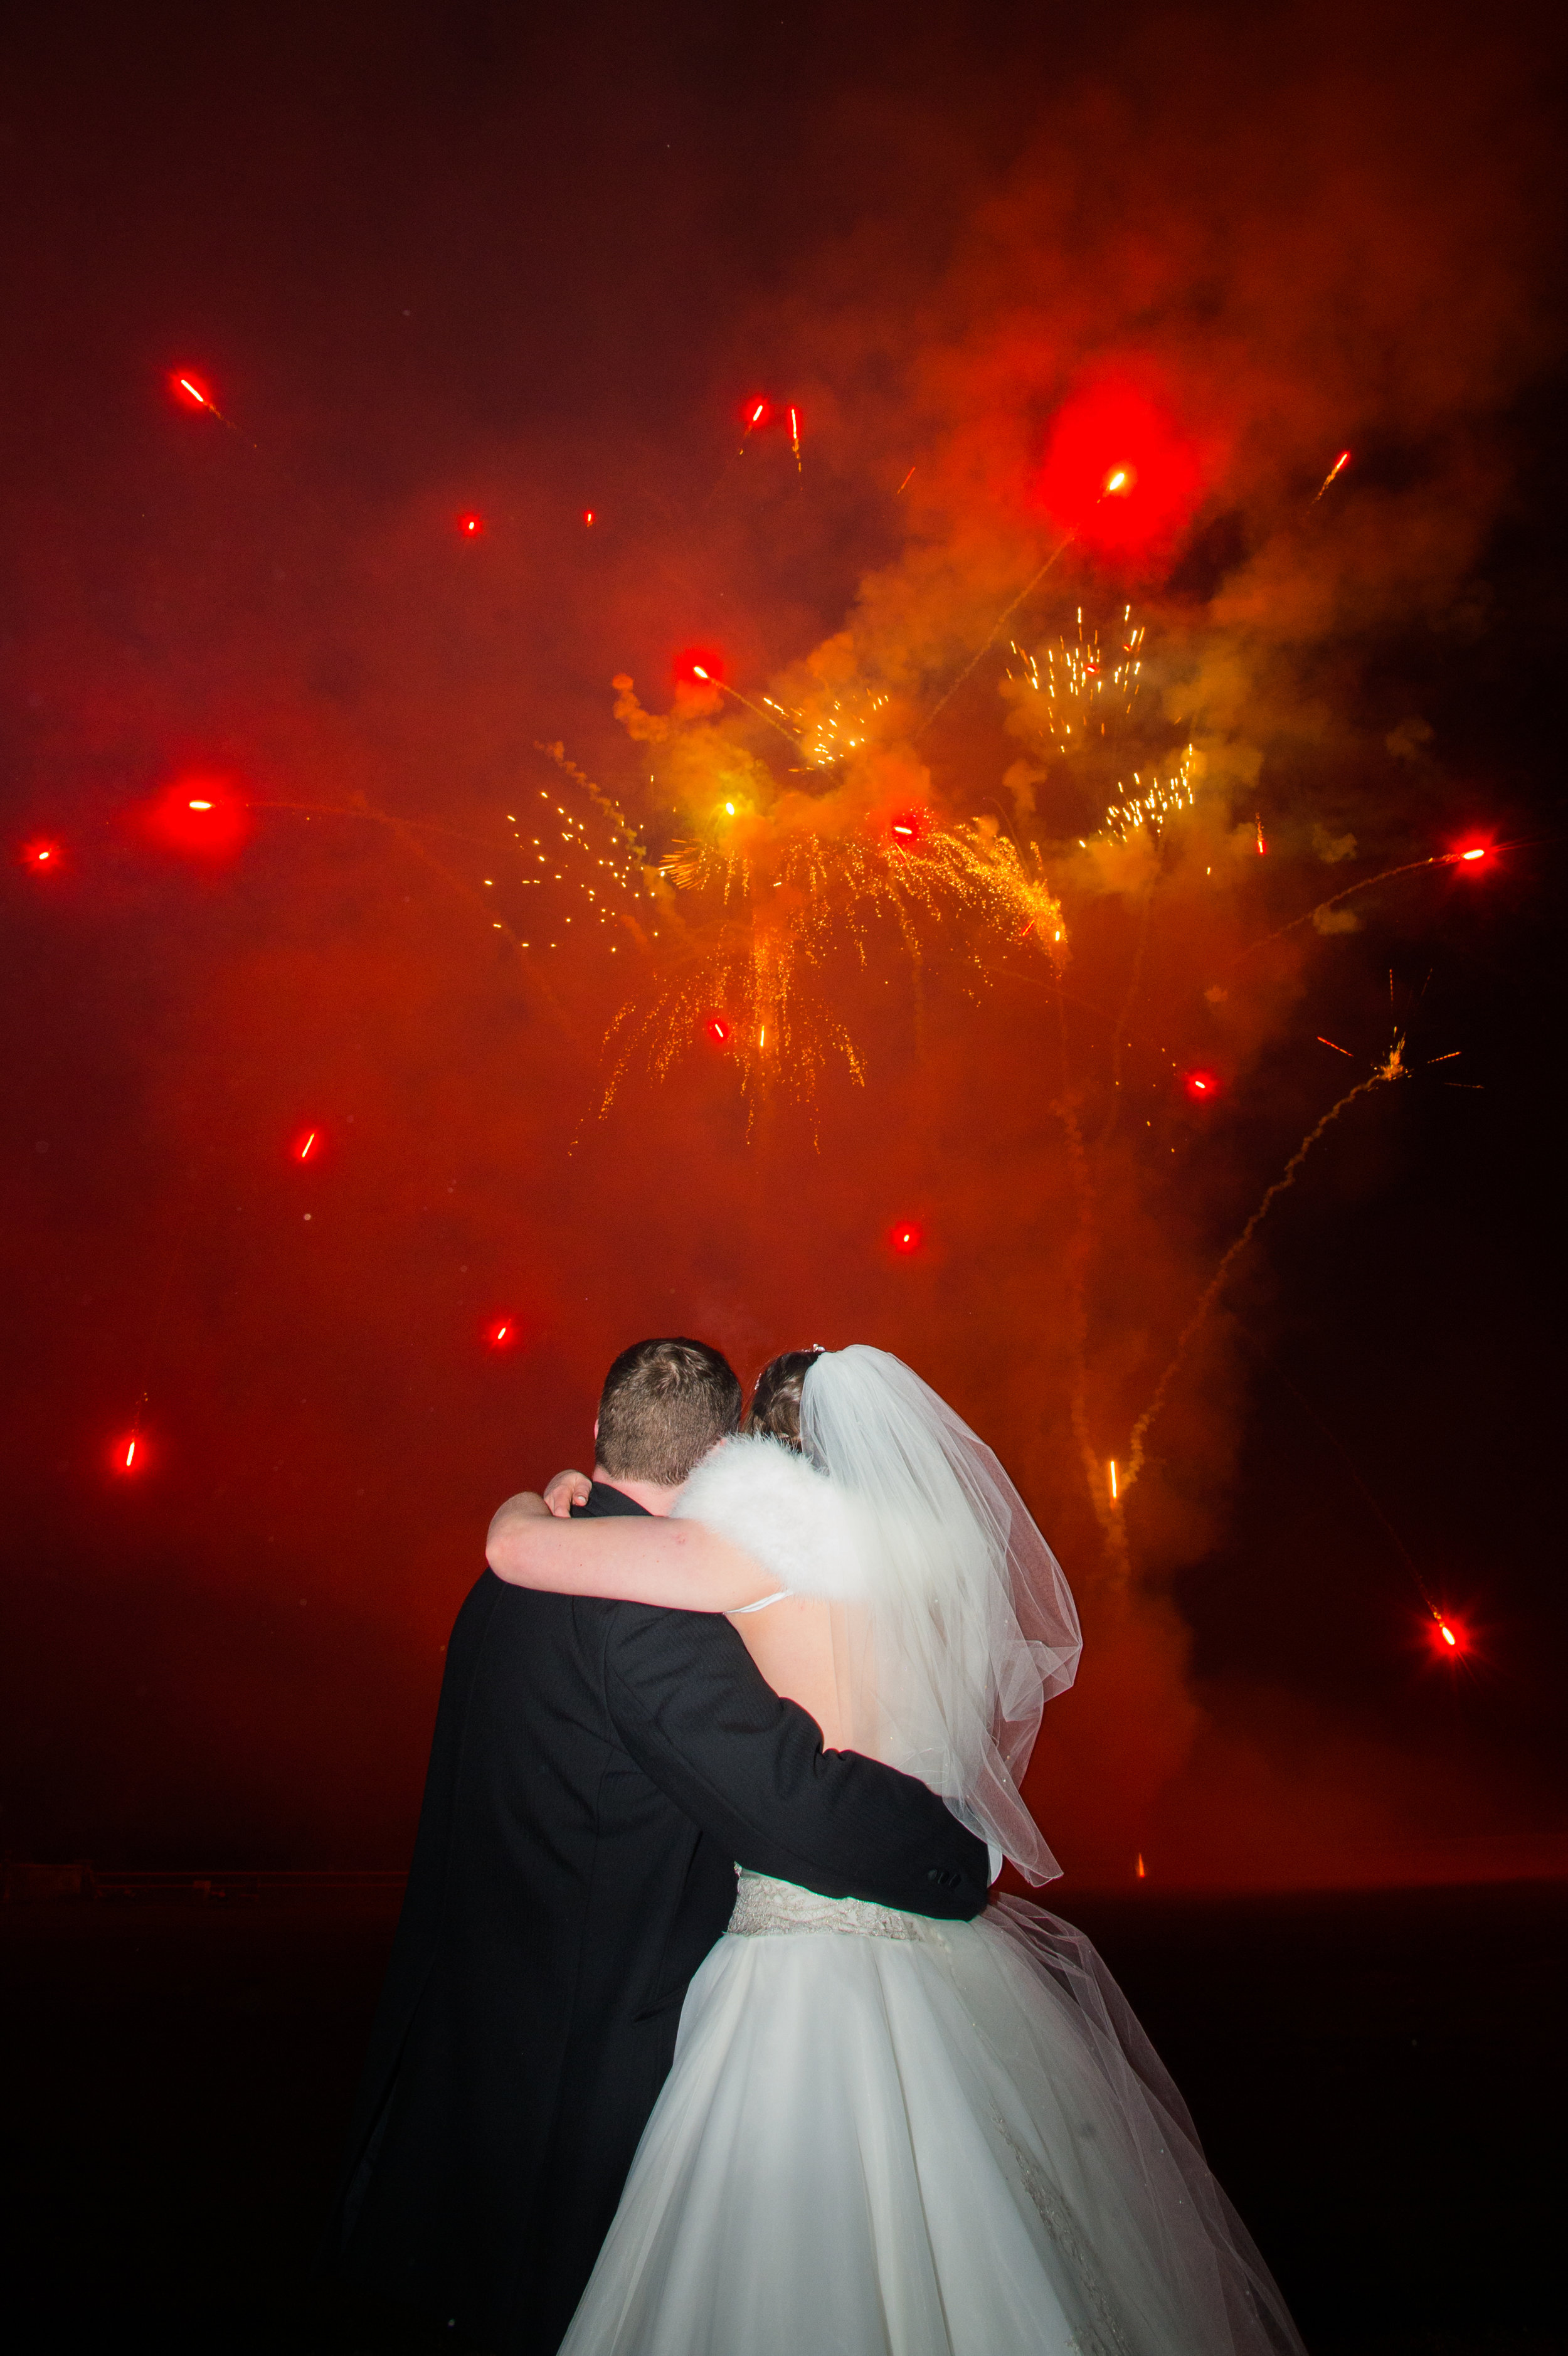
pixel 603 1502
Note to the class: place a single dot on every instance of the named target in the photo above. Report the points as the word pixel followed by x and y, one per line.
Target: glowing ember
pixel 41 854
pixel 1263 845
pixel 907 1237
pixel 129 1454
pixel 1143 1870
pixel 1118 471
pixel 1201 1087
pixel 210 822
pixel 1340 463
pixel 306 1147
pixel 718 1030
pixel 1114 1497
pixel 192 393
pixel 470 526
pixel 1469 856
pixel 588 515
pixel 1449 1639
pixel 502 1333
pixel 703 665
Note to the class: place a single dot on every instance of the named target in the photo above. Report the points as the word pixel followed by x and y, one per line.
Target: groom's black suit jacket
pixel 597 1771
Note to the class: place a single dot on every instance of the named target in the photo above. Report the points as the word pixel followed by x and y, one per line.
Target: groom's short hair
pixel 665 1404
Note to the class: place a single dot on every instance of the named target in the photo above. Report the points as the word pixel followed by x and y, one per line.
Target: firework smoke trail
pixel 1079 1249
pixel 736 697
pixel 996 629
pixel 1410 867
pixel 605 803
pixel 1123 1015
pixel 408 831
pixel 1393 1068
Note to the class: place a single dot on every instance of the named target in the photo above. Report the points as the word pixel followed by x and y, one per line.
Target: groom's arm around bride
pixel 597 1769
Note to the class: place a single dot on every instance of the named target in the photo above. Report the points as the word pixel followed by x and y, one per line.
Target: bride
pixel 884 2136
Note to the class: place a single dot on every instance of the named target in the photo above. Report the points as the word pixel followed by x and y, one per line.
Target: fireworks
pixel 1338 468
pixel 1082 688
pixel 600 866
pixel 202 817
pixel 192 393
pixel 1476 854
pixel 1394 1064
pixel 1157 800
pixel 761 910
pixel 770 883
pixel 835 725
pixel 1082 698
pixel 1391 1069
pixel 758 412
pixel 128 1454
pixel 1118 469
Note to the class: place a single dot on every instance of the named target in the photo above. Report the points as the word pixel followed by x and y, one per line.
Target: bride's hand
pixel 568 1489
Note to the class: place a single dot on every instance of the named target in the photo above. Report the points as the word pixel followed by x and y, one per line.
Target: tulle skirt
pixel 884 2134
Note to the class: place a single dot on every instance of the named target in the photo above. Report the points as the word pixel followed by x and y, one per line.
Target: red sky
pixel 430 272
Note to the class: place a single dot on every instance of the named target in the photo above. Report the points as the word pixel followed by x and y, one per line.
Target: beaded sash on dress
pixel 763 1907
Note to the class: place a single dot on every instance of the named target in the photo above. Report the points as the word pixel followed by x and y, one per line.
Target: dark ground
pixel 1380 2079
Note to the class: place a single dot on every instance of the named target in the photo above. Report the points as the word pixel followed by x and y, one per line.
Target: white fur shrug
pixel 766 1498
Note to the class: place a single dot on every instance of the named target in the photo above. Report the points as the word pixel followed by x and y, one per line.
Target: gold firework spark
pixel 1084 689
pixel 1082 696
pixel 756 922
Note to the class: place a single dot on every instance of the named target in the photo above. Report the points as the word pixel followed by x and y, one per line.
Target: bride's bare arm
pixel 631 1558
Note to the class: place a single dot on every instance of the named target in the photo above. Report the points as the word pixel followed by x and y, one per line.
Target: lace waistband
pixel 764 1907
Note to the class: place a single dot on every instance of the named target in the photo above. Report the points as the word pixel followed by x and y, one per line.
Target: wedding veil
pixel 966 1626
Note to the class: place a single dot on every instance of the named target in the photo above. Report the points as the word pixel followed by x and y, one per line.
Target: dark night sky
pixel 441 260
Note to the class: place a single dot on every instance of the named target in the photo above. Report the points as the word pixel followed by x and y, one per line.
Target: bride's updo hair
pixel 775 1412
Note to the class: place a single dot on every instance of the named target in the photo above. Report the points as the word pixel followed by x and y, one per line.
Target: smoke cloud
pixel 1212 262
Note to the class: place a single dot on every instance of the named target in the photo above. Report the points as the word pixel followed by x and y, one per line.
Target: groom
pixel 598 1772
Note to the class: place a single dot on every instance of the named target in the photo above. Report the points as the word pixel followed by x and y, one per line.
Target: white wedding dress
pixel 884 2136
